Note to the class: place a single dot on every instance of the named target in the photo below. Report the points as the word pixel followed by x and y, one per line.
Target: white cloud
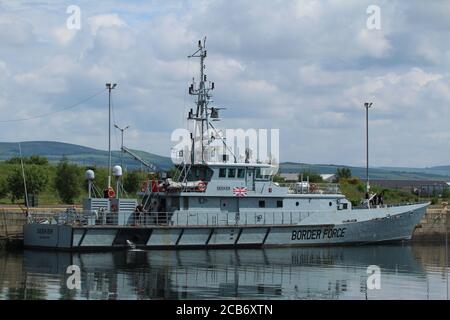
pixel 304 66
pixel 105 21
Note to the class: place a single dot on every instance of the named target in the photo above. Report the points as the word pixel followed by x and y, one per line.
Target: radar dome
pixel 90 175
pixel 117 171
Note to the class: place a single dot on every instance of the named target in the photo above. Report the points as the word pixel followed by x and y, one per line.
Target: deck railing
pixel 179 218
pixel 312 188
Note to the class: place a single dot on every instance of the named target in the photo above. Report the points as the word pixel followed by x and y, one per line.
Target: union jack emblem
pixel 240 192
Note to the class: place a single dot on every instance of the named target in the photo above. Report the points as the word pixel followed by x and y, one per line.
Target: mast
pixel 203 93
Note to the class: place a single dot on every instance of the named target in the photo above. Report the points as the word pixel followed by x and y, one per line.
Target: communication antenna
pixel 24 181
pixel 117 172
pixel 90 176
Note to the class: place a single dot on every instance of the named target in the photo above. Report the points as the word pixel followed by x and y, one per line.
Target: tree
pixel 34 159
pixel 131 182
pixel 343 173
pixel 278 178
pixel 446 193
pixel 3 187
pixel 68 181
pixel 313 177
pixel 36 179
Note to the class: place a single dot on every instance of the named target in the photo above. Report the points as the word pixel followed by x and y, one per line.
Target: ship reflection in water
pixel 407 272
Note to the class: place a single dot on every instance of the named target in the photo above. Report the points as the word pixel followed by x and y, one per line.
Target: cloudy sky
pixel 305 67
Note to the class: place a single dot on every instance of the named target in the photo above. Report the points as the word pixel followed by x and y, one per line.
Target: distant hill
pixel 390 173
pixel 86 156
pixel 81 155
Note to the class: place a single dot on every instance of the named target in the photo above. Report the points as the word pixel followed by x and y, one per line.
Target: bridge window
pixel 262 203
pixel 279 203
pixel 222 173
pixel 231 173
pixel 241 173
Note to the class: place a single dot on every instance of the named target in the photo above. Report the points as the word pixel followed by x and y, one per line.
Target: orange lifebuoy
pixel 201 186
pixel 111 192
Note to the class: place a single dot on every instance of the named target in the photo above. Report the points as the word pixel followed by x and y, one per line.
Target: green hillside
pixel 81 155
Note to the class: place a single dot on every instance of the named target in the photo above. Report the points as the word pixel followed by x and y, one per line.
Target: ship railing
pixel 391 205
pixel 312 188
pixel 203 218
pixel 179 218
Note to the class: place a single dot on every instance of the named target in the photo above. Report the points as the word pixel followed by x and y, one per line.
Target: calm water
pixel 407 272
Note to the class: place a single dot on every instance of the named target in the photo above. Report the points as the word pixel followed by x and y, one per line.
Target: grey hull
pixel 67 237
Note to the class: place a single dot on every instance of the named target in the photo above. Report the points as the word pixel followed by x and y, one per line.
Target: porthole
pixel 330 204
pixel 297 204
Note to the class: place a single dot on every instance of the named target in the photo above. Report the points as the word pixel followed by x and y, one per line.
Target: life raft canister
pixel 154 185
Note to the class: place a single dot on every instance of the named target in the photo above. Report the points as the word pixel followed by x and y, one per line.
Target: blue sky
pixel 305 67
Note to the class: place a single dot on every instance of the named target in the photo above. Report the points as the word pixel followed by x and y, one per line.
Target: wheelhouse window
pixel 263 174
pixel 222 173
pixel 198 173
pixel 262 203
pixel 279 203
pixel 241 173
pixel 232 173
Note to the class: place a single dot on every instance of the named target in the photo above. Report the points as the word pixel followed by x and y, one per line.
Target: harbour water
pixel 408 271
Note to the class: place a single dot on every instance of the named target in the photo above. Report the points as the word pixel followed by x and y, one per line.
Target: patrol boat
pixel 220 203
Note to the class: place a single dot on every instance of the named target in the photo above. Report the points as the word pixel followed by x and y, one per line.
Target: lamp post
pixel 121 149
pixel 367 105
pixel 109 86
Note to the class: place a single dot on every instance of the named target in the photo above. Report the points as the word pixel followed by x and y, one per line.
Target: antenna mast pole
pixel 24 180
pixel 203 98
pixel 109 86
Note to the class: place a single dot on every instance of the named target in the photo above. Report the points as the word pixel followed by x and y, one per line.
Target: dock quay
pixel 435 225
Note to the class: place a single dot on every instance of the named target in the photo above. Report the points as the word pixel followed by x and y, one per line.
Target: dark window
pixel 279 203
pixel 345 206
pixel 231 173
pixel 262 203
pixel 241 173
pixel 222 173
pixel 297 204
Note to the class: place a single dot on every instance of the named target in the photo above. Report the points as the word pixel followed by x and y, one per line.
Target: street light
pixel 121 149
pixel 367 105
pixel 109 86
